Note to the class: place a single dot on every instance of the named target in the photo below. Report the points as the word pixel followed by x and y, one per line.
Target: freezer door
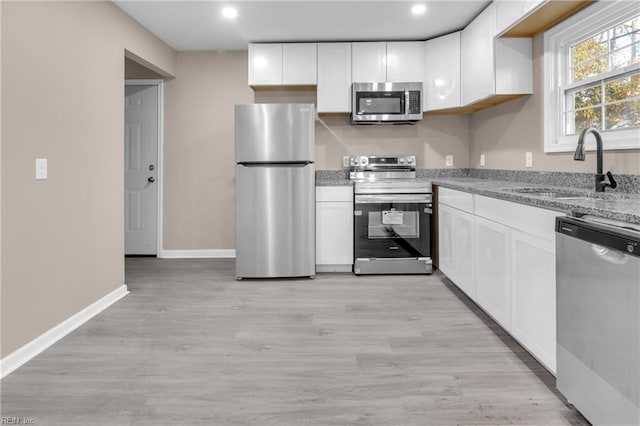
pixel 274 133
pixel 275 221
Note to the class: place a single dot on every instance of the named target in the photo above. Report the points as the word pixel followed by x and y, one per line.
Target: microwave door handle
pixel 406 102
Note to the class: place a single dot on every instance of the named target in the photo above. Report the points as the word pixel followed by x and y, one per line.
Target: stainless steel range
pixel 392 216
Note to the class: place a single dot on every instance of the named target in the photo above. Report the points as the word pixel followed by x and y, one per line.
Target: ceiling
pixel 199 25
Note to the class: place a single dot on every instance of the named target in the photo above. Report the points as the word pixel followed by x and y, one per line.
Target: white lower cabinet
pixel 533 295
pixel 502 255
pixel 492 270
pixel 334 228
pixel 455 247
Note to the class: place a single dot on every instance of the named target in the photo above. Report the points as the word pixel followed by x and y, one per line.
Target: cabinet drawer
pixel 532 220
pixel 456 199
pixel 334 193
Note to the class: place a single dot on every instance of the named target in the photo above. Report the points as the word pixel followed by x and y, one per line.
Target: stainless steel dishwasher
pixel 598 318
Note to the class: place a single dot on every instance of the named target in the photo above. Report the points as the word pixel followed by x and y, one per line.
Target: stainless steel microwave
pixel 386 103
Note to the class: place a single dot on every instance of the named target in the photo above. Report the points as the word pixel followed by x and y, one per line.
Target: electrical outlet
pixel 41 168
pixel 528 159
pixel 482 162
pixel 448 160
pixel 345 161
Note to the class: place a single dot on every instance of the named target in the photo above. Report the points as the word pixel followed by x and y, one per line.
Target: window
pixel 592 77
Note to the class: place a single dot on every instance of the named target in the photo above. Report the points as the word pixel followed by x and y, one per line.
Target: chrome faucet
pixel 601 184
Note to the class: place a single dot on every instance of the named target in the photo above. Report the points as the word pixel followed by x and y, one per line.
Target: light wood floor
pixel 192 346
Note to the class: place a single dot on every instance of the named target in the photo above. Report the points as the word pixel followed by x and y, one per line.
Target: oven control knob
pixel 355 161
pixel 410 160
pixel 401 160
pixel 364 161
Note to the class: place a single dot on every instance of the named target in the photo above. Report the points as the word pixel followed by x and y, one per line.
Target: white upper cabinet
pixel 442 73
pixel 405 61
pixel 334 77
pixel 282 64
pixel 368 62
pixel 299 64
pixel 478 65
pixel 392 61
pixel 493 66
pixel 265 64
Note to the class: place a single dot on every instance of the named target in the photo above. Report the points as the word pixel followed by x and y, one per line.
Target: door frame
pixel 160 187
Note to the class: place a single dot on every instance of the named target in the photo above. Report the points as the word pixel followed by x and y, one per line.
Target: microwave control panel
pixel 415 105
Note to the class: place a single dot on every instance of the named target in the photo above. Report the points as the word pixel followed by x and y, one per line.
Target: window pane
pixel 578 120
pixel 615 48
pixel 622 115
pixel 624 40
pixel 622 88
pixel 587 97
pixel 587 60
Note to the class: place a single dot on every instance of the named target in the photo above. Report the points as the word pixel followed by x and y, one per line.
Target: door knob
pixel 151 179
pixel 152 167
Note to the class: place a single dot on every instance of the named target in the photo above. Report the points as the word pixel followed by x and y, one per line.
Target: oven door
pixel 392 226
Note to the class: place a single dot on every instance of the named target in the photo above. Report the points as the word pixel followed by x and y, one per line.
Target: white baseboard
pixel 194 254
pixel 21 356
pixel 334 268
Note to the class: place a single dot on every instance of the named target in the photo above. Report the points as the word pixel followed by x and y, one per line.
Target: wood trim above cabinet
pixel 546 16
pixel 282 88
pixel 477 106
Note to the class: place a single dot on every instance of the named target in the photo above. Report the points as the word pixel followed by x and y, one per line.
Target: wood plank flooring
pixel 192 346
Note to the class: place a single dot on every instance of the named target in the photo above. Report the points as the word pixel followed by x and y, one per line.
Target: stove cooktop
pixel 386 175
pixel 393 186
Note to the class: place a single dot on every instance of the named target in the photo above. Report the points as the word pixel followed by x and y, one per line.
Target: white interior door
pixel 141 169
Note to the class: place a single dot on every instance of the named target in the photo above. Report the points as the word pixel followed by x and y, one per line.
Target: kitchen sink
pixel 550 193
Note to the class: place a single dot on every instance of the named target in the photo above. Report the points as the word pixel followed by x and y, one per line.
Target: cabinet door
pixel 478 64
pixel 533 295
pixel 405 61
pixel 299 64
pixel 369 62
pixel 265 64
pixel 464 252
pixel 493 270
pixel 334 77
pixel 442 73
pixel 445 240
pixel 334 233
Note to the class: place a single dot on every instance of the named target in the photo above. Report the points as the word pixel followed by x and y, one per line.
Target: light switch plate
pixel 41 168
pixel 448 160
pixel 482 162
pixel 528 159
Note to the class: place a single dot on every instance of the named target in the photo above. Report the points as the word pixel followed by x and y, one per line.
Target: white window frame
pixel 590 21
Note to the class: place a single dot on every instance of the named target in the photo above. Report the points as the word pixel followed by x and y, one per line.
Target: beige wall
pixel 505 132
pixel 63 99
pixel 1 181
pixel 198 149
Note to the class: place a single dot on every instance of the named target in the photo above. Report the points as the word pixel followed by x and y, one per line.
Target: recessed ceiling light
pixel 229 12
pixel 418 9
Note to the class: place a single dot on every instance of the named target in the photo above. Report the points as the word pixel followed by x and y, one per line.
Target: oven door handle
pixel 393 198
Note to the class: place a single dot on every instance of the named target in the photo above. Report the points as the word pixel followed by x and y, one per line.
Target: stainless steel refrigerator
pixel 275 190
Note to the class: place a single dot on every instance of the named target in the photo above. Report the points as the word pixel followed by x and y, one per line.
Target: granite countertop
pixel 612 205
pixel 333 178
pixel 334 182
